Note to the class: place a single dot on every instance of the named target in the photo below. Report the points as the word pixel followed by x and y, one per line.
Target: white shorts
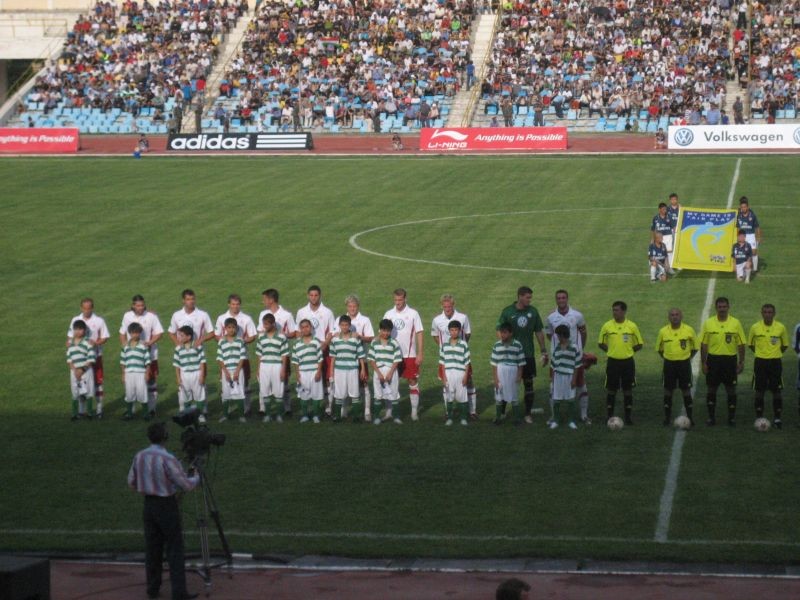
pixel 740 269
pixel 191 390
pixel 509 386
pixel 345 384
pixel 135 387
pixel 455 390
pixel 660 269
pixel 83 386
pixel 389 390
pixel 234 389
pixel 269 381
pixel 561 387
pixel 668 241
pixel 750 238
pixel 310 389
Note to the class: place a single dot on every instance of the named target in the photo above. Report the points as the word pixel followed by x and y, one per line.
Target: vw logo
pixel 684 136
pixel 399 324
pixel 797 136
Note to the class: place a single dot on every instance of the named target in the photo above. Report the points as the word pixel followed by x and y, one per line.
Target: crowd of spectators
pixel 619 57
pixel 773 54
pixel 310 62
pixel 132 55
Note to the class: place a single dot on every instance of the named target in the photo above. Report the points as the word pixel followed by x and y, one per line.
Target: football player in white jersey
pixel 441 333
pixel 97 334
pixel 323 324
pixel 284 323
pixel 195 318
pixel 362 327
pixel 151 333
pixel 564 314
pixel 245 331
pixel 409 333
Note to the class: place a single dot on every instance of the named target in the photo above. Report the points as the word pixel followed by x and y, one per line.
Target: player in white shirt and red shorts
pixel 362 327
pixel 323 324
pixel 151 333
pixel 285 324
pixel 246 331
pixel 193 317
pixel 409 334
pixel 441 333
pixel 97 334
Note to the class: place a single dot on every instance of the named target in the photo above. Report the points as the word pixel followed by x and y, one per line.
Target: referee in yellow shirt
pixel 677 344
pixel 769 340
pixel 722 356
pixel 620 339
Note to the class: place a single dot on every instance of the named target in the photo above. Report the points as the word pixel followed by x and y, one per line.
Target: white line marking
pixel 671 478
pixel 432 537
pixel 354 243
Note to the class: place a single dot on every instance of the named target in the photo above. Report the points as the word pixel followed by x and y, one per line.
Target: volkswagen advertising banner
pixel 448 139
pixel 34 140
pixel 229 142
pixel 734 137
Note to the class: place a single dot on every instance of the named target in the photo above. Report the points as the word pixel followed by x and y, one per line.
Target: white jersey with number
pixel 407 324
pixel 573 319
pixel 322 320
pixel 198 320
pixel 151 327
pixel 246 328
pixel 284 321
pixel 440 330
pixel 96 329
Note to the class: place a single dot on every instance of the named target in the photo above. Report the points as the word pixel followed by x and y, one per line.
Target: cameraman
pixel 159 476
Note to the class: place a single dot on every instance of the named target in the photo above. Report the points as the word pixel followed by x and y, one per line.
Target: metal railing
pixel 475 94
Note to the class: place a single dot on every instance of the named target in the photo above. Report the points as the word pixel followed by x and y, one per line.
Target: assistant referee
pixel 620 339
pixel 768 339
pixel 159 476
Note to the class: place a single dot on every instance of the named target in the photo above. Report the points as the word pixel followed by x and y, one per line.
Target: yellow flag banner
pixel 704 239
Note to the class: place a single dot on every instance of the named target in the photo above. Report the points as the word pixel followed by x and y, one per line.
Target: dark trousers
pixel 162 531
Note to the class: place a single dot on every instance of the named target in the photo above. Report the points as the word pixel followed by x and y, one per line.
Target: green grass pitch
pixel 475 227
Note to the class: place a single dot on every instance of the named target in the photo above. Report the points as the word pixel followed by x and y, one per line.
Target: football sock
pixel 201 407
pixel 304 408
pixel 89 409
pixel 583 396
pixel 226 409
pixel 755 262
pixel 74 408
pixel 367 398
pixel 652 272
pixel 688 405
pixel 573 410
pixel 556 411
pixel 503 404
pixel 181 403
pixel 473 400
pixel 628 402
pixel 610 401
pixel 449 410
pixel 82 405
pixel 759 405
pixel 262 404
pixel 287 399
pixel 516 409
pixel 413 393
pixel 241 404
pixel 152 398
pixel 355 410
pixel 337 410
pixel 129 409
pixel 498 411
pixel 777 406
pixel 731 405
pixel 528 383
pixel 711 403
pixel 99 405
pixel 552 407
pixel 667 407
pixel 317 404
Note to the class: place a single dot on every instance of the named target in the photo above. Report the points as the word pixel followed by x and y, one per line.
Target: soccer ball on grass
pixel 682 422
pixel 761 424
pixel 615 424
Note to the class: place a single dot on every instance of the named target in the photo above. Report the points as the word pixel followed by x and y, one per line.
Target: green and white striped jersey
pixel 347 353
pixel 135 358
pixel 188 358
pixel 565 360
pixel 272 349
pixel 307 355
pixel 231 352
pixel 384 355
pixel 81 355
pixel 454 356
pixel 510 354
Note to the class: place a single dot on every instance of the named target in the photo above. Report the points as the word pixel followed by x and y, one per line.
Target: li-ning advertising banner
pixel 704 239
pixel 448 139
pixel 35 140
pixel 734 137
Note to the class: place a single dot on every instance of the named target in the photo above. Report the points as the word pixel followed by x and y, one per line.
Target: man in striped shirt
pixel 307 356
pixel 231 354
pixel 189 361
pixel 454 359
pixel 158 476
pixel 565 361
pixel 135 362
pixel 508 362
pixel 80 359
pixel 272 349
pixel 385 358
pixel 348 369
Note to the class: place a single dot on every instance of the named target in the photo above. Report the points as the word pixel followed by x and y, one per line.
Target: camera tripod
pixel 209 509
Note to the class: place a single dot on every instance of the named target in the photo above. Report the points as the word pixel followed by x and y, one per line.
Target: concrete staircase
pixel 481 46
pixel 232 43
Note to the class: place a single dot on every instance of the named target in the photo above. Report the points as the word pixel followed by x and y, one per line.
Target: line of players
pixel 330 357
pixel 665 223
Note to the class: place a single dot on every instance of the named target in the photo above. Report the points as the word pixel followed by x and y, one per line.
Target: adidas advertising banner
pixel 704 239
pixel 735 137
pixel 447 139
pixel 232 142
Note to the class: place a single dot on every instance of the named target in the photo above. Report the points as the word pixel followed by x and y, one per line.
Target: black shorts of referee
pixel 767 374
pixel 620 374
pixel 677 373
pixel 721 370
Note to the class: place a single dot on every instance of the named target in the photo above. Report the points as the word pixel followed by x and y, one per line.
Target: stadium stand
pixel 336 65
pixel 131 66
